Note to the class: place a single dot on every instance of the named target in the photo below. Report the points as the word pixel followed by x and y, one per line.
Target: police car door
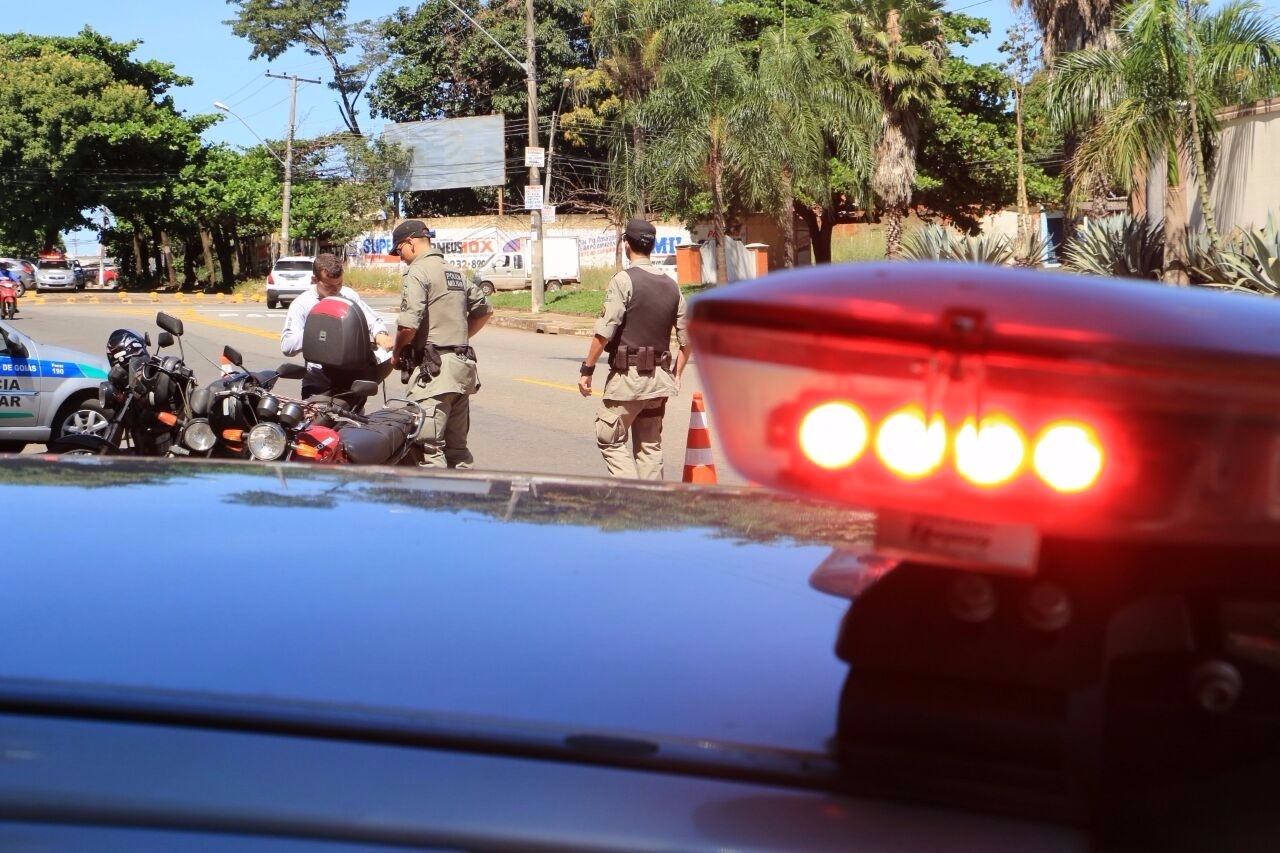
pixel 19 383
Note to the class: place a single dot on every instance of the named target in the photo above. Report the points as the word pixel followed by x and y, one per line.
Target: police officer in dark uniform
pixel 440 309
pixel 641 308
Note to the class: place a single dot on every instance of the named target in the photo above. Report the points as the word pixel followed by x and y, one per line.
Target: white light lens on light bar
pixel 907 446
pixel 267 442
pixel 833 435
pixel 989 453
pixel 1068 457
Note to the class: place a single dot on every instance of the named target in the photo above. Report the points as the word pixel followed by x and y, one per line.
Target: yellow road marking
pixel 559 385
pixel 190 315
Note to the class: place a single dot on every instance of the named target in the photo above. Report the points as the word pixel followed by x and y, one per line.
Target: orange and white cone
pixel 699 465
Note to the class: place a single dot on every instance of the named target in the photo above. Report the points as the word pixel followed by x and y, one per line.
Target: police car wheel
pixel 87 417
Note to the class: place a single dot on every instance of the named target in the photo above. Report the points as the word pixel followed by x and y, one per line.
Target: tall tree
pixel 321 28
pixel 901 46
pixel 1020 66
pixel 1132 103
pixel 819 111
pixel 84 125
pixel 711 125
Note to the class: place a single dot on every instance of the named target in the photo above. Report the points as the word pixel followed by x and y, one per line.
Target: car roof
pixel 569 604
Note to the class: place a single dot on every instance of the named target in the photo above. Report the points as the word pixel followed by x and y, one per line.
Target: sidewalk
pixel 543 323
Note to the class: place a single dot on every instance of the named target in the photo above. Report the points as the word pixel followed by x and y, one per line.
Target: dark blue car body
pixel 242 656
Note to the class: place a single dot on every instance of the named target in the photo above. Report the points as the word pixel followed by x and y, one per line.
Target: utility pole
pixel 288 159
pixel 535 216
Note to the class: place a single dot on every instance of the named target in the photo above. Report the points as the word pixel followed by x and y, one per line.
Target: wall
pixel 472 240
pixel 1246 183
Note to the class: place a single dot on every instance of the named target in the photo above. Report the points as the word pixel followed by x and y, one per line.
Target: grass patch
pixel 865 244
pixel 579 301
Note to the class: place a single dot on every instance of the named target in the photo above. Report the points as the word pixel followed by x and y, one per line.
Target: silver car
pixel 46 391
pixel 55 274
pixel 288 277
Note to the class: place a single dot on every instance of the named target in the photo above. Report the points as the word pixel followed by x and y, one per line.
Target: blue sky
pixel 193 39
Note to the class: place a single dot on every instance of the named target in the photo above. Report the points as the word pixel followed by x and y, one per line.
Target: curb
pixel 544 325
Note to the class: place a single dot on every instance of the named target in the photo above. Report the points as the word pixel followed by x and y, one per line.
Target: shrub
pixel 1122 246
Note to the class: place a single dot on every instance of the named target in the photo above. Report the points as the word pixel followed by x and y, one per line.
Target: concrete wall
pixel 1246 183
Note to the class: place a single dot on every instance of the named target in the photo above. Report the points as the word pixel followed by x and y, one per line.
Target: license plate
pixel 1006 548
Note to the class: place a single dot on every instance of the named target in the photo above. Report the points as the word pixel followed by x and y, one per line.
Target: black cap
pixel 641 233
pixel 405 230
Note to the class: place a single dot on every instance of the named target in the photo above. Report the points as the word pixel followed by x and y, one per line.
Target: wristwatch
pixel 587 369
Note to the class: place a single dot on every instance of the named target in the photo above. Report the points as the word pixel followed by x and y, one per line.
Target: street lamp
pixel 286 161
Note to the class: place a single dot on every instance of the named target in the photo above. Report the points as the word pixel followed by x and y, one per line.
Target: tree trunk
pixel 820 224
pixel 1197 144
pixel 1175 234
pixel 637 158
pixel 166 260
pixel 717 215
pixel 206 247
pixel 893 216
pixel 140 269
pixel 1024 215
pixel 788 220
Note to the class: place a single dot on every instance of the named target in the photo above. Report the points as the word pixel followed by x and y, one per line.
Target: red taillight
pixel 271 278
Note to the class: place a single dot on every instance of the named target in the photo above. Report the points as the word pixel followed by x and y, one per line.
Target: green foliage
pixel 1121 246
pixel 1251 261
pixel 936 243
pixel 320 27
pixel 82 126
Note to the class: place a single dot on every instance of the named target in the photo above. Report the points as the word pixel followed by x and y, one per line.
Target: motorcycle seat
pixel 380 441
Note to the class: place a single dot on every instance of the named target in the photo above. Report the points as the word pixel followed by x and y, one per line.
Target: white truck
pixel 512 270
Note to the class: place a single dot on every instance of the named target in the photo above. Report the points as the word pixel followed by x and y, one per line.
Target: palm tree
pixel 820 110
pixel 1133 105
pixel 1070 25
pixel 630 38
pixel 900 47
pixel 713 130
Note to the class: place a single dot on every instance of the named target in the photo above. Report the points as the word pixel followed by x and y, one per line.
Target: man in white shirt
pixel 326 276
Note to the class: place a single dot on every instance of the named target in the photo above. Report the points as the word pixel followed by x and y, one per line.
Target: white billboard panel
pixel 451 152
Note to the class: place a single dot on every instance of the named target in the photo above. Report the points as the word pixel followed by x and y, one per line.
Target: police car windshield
pixel 54 265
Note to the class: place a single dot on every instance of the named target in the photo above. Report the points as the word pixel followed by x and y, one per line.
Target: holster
pixel 428 363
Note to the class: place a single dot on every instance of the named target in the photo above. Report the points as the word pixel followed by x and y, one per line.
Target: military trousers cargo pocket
pixel 609 427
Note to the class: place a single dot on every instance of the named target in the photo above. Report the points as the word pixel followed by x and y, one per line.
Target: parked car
pixel 666 264
pixel 25 271
pixel 46 391
pixel 54 272
pixel 289 277
pixel 106 278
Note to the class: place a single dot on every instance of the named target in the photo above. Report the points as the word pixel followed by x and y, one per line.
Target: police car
pixel 45 391
pixel 1060 630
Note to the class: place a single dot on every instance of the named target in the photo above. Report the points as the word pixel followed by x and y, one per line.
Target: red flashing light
pixel 1076 406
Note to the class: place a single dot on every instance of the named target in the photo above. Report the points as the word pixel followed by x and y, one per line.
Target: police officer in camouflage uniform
pixel 440 310
pixel 641 307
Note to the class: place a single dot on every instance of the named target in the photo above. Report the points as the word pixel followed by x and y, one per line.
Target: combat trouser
pixel 443 439
pixel 629 435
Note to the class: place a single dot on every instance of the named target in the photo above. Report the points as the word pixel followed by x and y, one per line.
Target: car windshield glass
pixel 54 265
pixel 293 266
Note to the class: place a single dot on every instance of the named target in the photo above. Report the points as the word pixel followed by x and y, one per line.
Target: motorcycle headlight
pixel 198 435
pixel 267 442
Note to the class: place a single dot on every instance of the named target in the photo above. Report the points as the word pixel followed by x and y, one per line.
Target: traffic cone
pixel 699 465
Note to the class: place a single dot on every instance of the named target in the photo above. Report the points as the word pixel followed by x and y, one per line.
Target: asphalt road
pixel 528 415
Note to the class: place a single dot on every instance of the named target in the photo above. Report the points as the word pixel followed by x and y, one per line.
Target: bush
pixel 1121 246
pixel 1251 261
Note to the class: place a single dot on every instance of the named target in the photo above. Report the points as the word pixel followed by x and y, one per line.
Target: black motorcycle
pixel 224 412
pixel 145 399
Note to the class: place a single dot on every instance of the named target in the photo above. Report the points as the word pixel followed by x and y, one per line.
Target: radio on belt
pixel 952 397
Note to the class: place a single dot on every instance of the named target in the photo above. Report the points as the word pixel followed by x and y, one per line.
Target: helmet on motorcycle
pixel 124 344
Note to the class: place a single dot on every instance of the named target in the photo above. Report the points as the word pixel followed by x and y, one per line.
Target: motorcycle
pixel 145 399
pixel 8 299
pixel 240 415
pixel 225 411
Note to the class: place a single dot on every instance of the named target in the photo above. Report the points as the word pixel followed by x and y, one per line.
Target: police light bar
pixel 1074 406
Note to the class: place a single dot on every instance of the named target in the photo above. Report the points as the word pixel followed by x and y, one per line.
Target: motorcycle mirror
pixel 169 323
pixel 146 338
pixel 292 370
pixel 15 347
pixel 164 339
pixel 232 355
pixel 363 388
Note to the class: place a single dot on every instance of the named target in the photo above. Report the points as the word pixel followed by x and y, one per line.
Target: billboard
pixel 449 153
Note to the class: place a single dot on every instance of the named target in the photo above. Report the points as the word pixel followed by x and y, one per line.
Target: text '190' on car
pixel 1007 583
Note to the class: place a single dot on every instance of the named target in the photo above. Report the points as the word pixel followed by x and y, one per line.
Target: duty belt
pixel 460 351
pixel 662 358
